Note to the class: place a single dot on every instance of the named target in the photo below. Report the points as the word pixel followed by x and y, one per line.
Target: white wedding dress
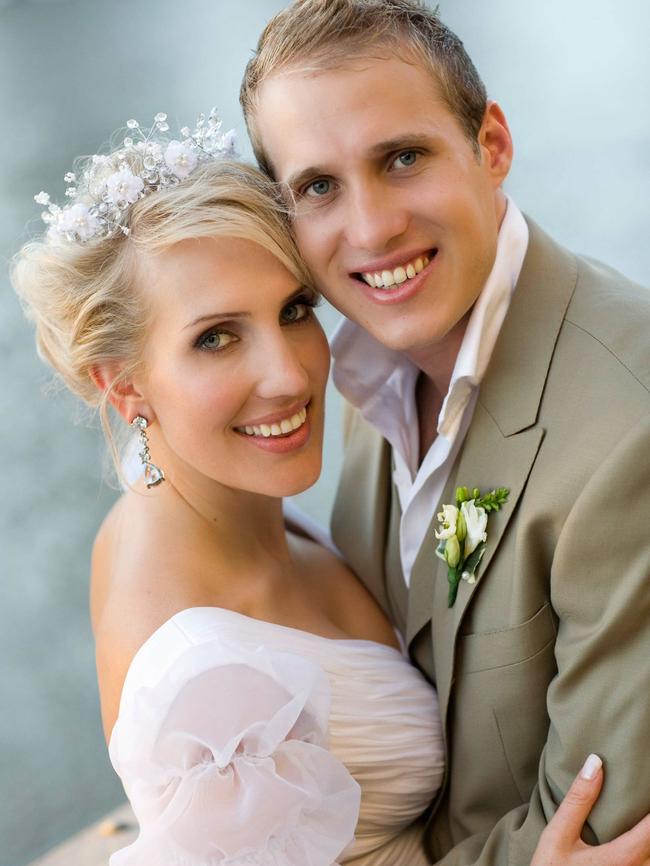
pixel 244 743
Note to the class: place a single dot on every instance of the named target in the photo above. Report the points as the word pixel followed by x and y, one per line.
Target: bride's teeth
pixel 387 278
pixel 281 428
pixel 369 278
pixel 426 261
pixel 410 271
pixel 419 266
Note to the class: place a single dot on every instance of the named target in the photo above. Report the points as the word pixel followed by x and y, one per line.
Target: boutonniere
pixel 463 534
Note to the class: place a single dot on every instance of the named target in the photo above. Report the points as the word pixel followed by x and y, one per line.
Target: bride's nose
pixel 281 371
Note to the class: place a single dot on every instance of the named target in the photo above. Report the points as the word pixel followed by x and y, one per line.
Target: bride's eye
pixel 214 340
pixel 298 310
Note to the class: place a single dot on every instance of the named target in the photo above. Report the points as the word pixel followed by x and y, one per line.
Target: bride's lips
pixel 398 294
pixel 286 442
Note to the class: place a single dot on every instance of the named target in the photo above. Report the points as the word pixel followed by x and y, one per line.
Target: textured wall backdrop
pixel 573 79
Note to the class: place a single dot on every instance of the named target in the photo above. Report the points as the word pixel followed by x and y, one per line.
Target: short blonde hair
pixel 83 299
pixel 315 35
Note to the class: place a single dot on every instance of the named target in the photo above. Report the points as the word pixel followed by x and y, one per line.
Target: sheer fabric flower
pixel 123 187
pixel 226 763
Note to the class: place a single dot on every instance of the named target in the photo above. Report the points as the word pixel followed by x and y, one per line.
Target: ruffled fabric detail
pixel 226 763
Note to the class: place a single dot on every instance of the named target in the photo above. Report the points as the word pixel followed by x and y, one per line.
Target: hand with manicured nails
pixel 560 843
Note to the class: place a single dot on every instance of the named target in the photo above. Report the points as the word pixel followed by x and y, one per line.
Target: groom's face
pixel 386 180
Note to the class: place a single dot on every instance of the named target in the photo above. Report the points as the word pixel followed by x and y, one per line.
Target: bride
pixel 256 702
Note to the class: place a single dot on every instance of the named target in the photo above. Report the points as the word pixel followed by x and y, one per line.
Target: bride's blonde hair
pixel 83 299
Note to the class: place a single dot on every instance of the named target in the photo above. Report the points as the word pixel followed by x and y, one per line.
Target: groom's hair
pixel 314 35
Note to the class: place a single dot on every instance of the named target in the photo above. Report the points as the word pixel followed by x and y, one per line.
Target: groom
pixel 477 353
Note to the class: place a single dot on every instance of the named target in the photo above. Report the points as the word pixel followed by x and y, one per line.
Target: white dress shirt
pixel 381 384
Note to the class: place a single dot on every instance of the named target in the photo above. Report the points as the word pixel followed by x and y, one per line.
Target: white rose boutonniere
pixel 463 534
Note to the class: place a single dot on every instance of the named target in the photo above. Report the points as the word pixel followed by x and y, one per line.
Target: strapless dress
pixel 245 743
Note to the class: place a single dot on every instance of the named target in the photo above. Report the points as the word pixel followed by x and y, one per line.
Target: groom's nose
pixel 374 216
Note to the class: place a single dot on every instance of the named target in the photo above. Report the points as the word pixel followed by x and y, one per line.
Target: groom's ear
pixel 124 393
pixel 495 143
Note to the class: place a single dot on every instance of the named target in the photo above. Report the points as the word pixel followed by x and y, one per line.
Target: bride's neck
pixel 247 525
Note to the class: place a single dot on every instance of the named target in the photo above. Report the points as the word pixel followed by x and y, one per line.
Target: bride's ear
pixel 124 394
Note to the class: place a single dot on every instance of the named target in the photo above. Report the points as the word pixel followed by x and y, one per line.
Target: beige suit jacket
pixel 547 657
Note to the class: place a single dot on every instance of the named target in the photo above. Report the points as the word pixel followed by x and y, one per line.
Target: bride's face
pixel 234 353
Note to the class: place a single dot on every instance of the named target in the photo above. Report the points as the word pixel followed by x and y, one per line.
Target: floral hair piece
pixel 104 186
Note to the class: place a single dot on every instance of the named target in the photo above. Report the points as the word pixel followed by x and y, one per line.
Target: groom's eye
pixel 317 188
pixel 405 159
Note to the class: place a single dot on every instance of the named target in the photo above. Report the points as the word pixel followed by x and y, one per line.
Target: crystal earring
pixel 152 474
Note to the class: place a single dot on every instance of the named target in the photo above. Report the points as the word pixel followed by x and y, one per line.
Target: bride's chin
pixel 291 485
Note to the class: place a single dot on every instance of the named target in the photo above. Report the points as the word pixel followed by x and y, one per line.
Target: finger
pixel 633 847
pixel 572 813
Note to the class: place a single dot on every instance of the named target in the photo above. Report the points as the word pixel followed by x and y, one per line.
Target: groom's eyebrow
pixel 401 142
pixel 375 151
pixel 300 177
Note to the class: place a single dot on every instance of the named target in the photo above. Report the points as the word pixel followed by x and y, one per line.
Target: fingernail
pixel 591 767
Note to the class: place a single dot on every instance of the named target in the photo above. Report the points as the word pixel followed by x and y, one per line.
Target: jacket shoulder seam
pixel 610 351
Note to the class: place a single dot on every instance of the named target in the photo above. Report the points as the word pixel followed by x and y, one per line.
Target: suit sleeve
pixel 599 700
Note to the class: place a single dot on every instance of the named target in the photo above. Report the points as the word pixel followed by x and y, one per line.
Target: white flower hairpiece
pixel 105 185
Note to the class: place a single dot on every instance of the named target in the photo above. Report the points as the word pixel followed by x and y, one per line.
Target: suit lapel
pixel 361 509
pixel 395 586
pixel 488 460
pixel 502 441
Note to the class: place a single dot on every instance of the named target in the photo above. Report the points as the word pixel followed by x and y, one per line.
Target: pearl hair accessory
pixel 104 186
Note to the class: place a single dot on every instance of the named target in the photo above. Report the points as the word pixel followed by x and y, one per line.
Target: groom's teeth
pixel 281 428
pixel 399 275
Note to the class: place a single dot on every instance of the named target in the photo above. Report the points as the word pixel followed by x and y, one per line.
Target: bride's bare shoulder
pixel 140 577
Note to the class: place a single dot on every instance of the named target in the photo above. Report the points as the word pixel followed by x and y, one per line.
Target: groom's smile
pixel 396 210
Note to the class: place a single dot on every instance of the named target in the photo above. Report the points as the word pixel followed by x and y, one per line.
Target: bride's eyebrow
pixel 245 314
pixel 212 316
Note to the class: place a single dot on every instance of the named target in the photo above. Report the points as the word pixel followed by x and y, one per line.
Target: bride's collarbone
pixel 340 597
pixel 171 568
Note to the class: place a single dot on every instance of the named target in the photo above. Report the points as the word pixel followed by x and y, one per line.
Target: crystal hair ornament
pixel 104 186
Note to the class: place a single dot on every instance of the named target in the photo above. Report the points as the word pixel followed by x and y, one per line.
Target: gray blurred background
pixel 572 76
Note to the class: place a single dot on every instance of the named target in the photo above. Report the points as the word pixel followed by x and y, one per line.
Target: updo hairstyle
pixel 83 299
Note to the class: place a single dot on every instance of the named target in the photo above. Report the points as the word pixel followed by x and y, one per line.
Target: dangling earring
pixel 152 474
